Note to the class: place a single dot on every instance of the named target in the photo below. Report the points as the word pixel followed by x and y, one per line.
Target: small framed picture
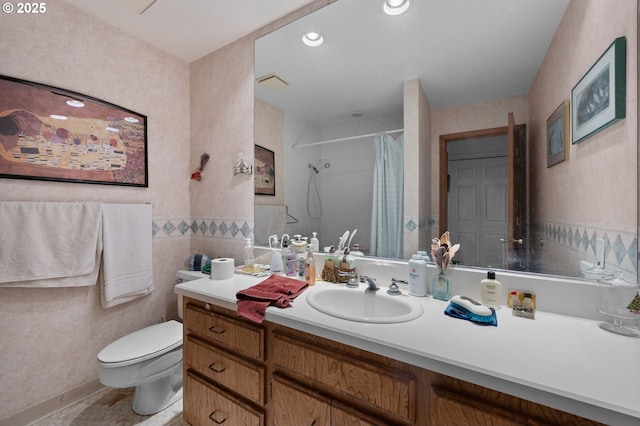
pixel 599 98
pixel 265 171
pixel 557 135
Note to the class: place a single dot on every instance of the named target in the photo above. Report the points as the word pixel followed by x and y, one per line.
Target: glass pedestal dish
pixel 619 300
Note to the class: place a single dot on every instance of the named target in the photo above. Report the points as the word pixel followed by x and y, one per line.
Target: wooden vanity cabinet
pixel 224 367
pixel 240 373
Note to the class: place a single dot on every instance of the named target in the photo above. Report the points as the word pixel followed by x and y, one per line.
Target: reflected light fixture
pixel 395 7
pixel 75 103
pixel 312 39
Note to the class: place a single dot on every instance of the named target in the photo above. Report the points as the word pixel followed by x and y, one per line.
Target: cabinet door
pixel 294 406
pixel 342 415
pixel 450 408
pixel 388 390
pixel 205 405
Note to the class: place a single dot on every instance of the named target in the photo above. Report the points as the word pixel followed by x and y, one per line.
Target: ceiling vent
pixel 273 82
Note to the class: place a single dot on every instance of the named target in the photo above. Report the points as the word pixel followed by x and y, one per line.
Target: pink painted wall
pixel 50 337
pixel 595 191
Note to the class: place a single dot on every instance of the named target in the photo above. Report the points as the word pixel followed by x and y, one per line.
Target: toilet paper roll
pixel 222 268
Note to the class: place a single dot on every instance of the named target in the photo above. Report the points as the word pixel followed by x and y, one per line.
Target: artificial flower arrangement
pixel 442 251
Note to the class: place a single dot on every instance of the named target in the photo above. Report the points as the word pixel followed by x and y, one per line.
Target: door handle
pixel 518 241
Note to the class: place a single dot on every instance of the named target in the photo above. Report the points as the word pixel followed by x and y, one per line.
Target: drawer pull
pixel 313 423
pixel 216 368
pixel 217 330
pixel 218 417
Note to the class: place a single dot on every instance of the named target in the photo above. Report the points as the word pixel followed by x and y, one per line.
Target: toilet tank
pixel 183 276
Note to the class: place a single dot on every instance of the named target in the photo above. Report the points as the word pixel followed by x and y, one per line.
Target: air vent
pixel 273 82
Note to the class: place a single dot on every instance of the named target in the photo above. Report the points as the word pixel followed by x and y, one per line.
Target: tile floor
pixel 111 407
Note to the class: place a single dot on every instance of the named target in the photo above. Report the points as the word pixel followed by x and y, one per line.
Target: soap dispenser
pixel 491 291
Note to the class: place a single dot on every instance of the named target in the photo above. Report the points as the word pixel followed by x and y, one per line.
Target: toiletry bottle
pixel 491 291
pixel 248 254
pixel 315 244
pixel 276 257
pixel 424 255
pixel 298 246
pixel 417 276
pixel 310 268
pixel 284 244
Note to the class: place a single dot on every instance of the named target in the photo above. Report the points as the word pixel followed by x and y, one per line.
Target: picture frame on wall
pixel 264 171
pixel 558 135
pixel 48 133
pixel 599 98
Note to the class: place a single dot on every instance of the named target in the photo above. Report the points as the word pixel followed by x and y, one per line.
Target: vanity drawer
pixel 243 377
pixel 233 333
pixel 389 390
pixel 210 406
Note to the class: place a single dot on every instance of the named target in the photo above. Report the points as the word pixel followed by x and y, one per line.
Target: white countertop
pixel 559 361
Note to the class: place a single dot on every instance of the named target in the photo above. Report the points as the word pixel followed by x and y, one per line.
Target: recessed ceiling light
pixel 58 117
pixel 357 114
pixel 312 39
pixel 75 103
pixel 131 119
pixel 395 7
pixel 111 129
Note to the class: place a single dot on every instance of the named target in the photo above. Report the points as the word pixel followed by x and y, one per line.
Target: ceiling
pixel 462 52
pixel 189 29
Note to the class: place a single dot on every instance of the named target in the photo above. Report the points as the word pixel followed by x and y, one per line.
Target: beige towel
pixel 49 244
pixel 126 259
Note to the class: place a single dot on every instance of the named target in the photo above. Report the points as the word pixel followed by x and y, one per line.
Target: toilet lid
pixel 142 344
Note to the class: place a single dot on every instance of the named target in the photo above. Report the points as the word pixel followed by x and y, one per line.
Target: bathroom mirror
pixel 319 109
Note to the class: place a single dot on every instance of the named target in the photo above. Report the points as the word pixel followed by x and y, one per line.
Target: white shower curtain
pixel 388 197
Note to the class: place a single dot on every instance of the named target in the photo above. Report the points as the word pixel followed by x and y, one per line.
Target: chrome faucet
pixel 371 282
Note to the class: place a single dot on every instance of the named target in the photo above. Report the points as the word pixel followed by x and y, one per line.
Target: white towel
pixel 127 272
pixel 49 244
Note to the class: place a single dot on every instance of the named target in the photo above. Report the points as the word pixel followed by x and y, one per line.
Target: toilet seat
pixel 141 345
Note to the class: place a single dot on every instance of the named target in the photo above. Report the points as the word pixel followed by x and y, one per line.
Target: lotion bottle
pixel 491 291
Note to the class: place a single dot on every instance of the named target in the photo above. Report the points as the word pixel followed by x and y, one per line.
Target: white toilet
pixel 149 360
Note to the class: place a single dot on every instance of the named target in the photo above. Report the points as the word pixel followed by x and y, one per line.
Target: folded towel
pixel 275 291
pixel 49 244
pixel 127 263
pixel 456 311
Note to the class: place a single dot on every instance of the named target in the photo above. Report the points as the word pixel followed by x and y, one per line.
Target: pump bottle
pixel 491 291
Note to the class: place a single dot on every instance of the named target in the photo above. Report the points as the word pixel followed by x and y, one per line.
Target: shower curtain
pixel 388 197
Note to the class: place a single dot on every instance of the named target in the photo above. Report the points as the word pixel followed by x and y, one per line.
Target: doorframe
pixel 444 166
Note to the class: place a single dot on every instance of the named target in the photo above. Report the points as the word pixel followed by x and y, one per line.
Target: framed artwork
pixel 264 171
pixel 47 133
pixel 598 100
pixel 558 135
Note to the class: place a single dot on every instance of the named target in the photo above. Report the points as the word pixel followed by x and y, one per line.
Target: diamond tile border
pixel 202 227
pixel 620 247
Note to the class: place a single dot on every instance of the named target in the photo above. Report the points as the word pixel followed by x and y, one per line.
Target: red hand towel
pixel 276 291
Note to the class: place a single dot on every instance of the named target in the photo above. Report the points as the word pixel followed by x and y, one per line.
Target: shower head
pixel 311 166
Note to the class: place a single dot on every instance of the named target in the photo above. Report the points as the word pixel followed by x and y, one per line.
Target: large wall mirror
pixel 440 82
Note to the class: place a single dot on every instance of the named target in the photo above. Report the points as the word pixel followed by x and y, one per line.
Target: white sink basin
pixel 356 304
